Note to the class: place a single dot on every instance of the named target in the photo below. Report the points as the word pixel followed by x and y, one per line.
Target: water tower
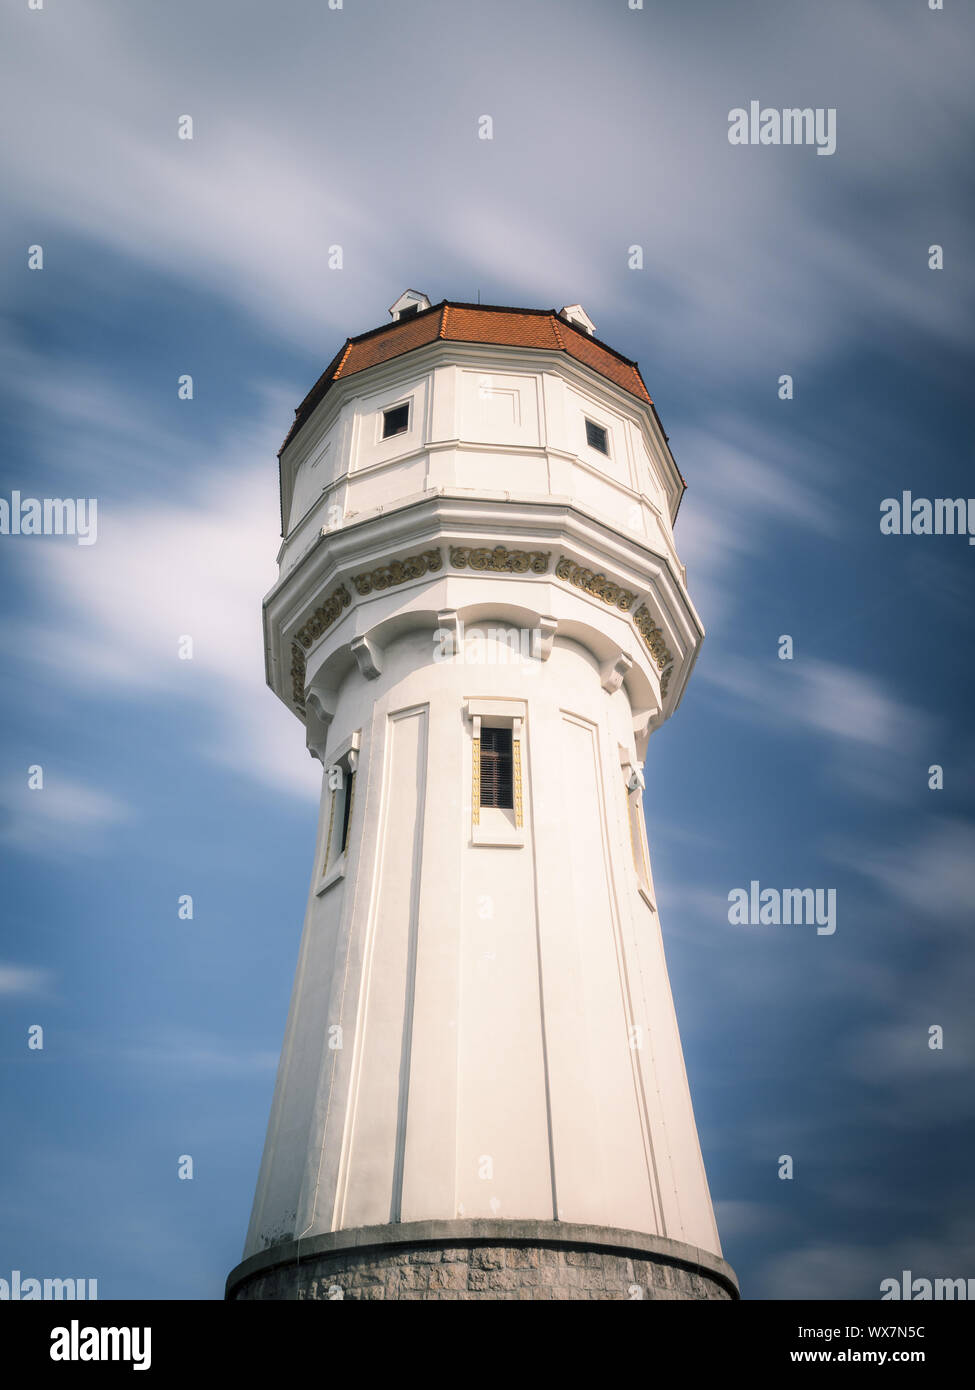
pixel 480 619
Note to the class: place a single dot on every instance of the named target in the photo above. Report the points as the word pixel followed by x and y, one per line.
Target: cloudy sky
pixel 357 127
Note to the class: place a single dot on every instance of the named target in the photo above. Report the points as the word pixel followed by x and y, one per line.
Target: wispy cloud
pixel 737 1218
pixel 847 1270
pixel 901 1051
pixel 822 696
pixel 23 982
pixel 931 875
pixel 62 815
pixel 194 1055
pixel 749 487
pixel 196 565
pixel 221 209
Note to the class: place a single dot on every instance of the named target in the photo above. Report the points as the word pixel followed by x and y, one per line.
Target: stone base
pixel 465 1260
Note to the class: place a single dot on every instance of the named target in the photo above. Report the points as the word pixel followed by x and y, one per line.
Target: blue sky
pixel 163 777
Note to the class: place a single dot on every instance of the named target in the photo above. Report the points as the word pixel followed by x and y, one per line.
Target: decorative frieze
pixel 654 638
pixel 596 584
pixel 492 559
pixel 320 620
pixel 499 559
pixel 323 617
pixel 298 677
pixel 398 572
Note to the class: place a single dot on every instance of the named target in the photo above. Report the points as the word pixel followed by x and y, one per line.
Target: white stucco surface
pixel 481 1023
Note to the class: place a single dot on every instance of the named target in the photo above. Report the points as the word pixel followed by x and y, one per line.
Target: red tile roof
pixel 472 323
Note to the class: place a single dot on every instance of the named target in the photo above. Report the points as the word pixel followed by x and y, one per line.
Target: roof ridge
pixel 338 369
pixel 496 308
pixel 443 319
pixel 558 331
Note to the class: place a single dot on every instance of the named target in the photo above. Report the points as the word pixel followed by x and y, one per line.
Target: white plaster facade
pixel 481 1023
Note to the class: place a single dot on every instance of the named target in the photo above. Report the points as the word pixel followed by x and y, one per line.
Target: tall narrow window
pixel 497 768
pixel 340 779
pixel 347 810
pixel 497 789
pixel 634 786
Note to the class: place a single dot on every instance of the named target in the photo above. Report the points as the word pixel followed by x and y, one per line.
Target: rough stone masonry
pixel 467 1272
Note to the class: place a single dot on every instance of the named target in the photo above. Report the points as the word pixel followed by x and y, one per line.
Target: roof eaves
pixel 591 338
pixel 315 394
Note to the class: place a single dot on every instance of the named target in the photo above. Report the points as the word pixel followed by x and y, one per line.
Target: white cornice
pixel 441 519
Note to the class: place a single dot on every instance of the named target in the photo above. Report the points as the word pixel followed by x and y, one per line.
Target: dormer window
pixel 576 315
pixel 596 437
pixel 396 420
pixel 409 304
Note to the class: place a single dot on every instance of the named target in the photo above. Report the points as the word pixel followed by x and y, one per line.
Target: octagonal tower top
pixel 417 323
pixel 512 434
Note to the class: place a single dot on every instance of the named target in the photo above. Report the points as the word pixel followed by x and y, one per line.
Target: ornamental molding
pixel 496 559
pixel 298 677
pixel 499 559
pixel 617 597
pixel 398 572
pixel 657 647
pixel 383 577
pixel 323 617
pixel 319 622
pixel 596 584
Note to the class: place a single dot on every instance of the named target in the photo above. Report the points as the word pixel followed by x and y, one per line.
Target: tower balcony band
pixel 480 618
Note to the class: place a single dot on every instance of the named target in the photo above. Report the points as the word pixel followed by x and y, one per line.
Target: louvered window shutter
pixel 497 778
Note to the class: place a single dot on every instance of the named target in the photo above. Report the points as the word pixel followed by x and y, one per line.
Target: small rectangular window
pixel 396 421
pixel 596 437
pixel 497 769
pixel 409 311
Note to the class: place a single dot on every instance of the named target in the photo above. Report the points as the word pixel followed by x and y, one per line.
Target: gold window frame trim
pixel 328 841
pixel 476 782
pixel 508 713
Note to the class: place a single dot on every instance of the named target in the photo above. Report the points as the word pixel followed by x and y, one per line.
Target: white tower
pixel 480 619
